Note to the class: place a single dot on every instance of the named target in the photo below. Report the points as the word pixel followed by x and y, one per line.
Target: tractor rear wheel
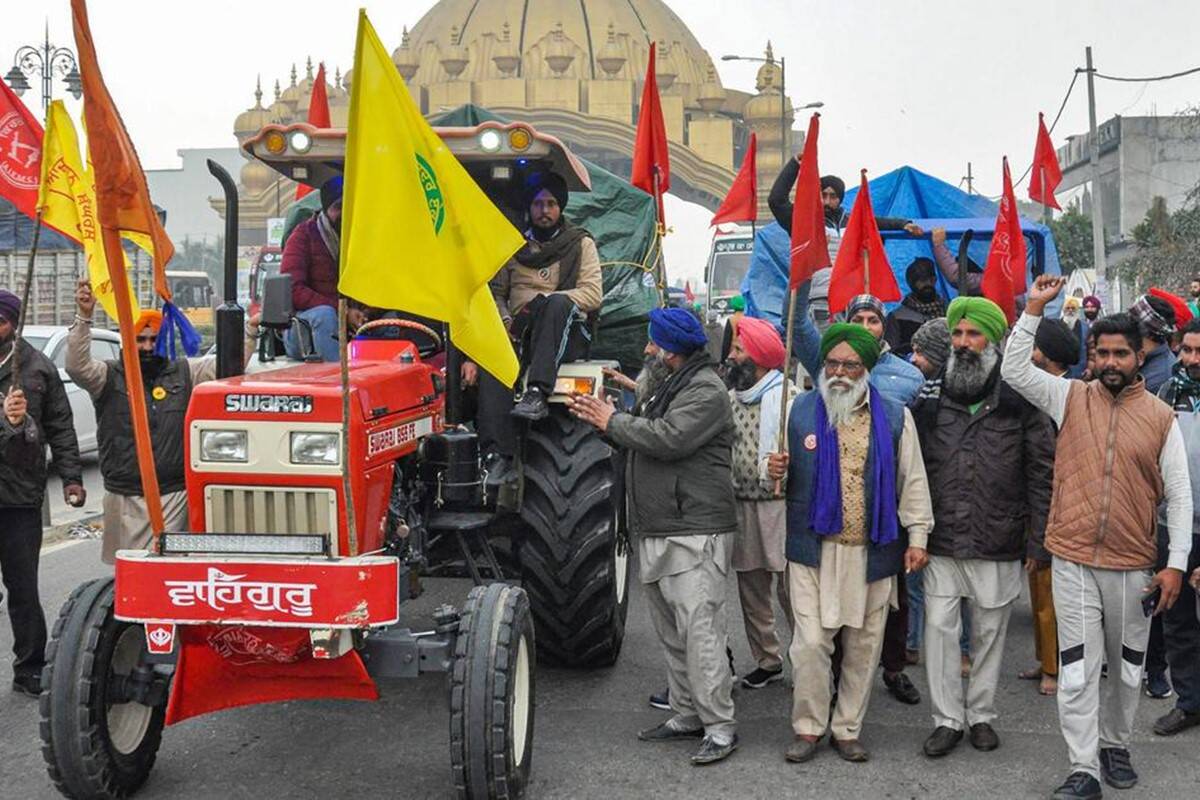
pixel 491 694
pixel 573 562
pixel 97 741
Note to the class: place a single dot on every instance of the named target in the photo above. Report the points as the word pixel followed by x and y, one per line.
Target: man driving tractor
pixel 310 257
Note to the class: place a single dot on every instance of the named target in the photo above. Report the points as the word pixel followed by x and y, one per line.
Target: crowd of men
pixel 940 460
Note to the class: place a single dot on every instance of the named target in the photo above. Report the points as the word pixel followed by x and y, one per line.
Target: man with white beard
pixel 855 476
pixel 989 455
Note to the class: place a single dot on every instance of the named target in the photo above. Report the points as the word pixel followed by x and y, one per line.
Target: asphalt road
pixel 585 745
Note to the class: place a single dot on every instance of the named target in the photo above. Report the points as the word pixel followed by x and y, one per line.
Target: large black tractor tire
pixel 93 747
pixel 573 563
pixel 492 694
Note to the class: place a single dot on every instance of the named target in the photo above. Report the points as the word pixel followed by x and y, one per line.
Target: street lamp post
pixel 783 125
pixel 44 60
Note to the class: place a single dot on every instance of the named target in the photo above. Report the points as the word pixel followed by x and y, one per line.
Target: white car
pixel 52 340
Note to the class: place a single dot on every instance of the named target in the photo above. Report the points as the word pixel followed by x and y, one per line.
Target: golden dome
pixel 256 176
pixel 478 26
pixel 252 119
pixel 769 74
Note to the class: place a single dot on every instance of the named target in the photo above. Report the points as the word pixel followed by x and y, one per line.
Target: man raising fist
pixel 1119 454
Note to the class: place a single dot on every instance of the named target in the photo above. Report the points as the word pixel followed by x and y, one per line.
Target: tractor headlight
pixel 315 448
pixel 490 141
pixel 300 142
pixel 224 446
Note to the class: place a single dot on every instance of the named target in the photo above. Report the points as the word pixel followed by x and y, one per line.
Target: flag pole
pixel 33 248
pixel 344 359
pixel 787 368
pixel 660 230
pixel 136 390
pixel 866 271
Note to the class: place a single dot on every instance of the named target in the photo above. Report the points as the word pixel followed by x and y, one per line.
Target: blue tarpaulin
pixel 910 194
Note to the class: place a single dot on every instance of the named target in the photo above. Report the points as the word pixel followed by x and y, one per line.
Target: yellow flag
pixel 418 234
pixel 67 197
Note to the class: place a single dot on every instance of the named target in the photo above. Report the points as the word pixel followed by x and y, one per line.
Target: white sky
pixel 934 84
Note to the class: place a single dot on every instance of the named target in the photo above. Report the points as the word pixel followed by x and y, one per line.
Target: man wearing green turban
pixel 858 337
pixel 858 518
pixel 985 513
pixel 985 315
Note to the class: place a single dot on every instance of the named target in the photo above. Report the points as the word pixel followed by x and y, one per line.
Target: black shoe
pixel 902 688
pixel 1116 768
pixel 28 685
pixel 666 732
pixel 983 737
pixel 532 406
pixel 761 677
pixel 661 700
pixel 1078 786
pixel 801 750
pixel 711 752
pixel 850 750
pixel 1157 686
pixel 1176 721
pixel 942 741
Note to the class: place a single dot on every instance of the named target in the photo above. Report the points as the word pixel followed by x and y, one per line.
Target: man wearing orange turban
pixel 754 373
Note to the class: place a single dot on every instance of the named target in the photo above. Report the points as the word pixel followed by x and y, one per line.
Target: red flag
pixel 20 153
pixel 318 115
pixel 810 249
pixel 687 292
pixel 1046 175
pixel 862 266
pixel 741 204
pixel 650 156
pixel 1004 273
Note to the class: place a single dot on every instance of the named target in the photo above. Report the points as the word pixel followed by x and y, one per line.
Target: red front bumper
pixel 359 592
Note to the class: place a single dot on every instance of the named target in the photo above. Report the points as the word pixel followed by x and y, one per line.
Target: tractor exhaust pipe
pixel 230 318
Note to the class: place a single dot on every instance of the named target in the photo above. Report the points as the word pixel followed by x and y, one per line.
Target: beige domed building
pixel 571 69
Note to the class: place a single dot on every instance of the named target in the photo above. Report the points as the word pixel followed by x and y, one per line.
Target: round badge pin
pixel 810 442
pixel 158 393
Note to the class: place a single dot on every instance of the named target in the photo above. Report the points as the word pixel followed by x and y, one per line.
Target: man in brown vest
pixel 1119 453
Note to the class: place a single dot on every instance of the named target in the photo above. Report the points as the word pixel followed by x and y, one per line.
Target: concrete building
pixel 1140 158
pixel 184 192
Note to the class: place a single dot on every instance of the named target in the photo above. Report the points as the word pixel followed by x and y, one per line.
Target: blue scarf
pixel 825 509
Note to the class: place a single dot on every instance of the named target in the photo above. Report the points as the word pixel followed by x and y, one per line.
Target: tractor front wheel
pixel 99 737
pixel 491 694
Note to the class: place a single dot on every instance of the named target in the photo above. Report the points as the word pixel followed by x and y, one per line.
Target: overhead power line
pixel 1145 80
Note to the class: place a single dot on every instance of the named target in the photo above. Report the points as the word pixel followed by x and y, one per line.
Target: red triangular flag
pixel 1004 273
pixel 862 266
pixel 741 204
pixel 650 156
pixel 810 249
pixel 318 115
pixel 687 292
pixel 20 153
pixel 1046 174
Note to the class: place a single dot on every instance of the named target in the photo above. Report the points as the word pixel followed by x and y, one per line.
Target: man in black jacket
pixel 989 455
pixel 921 304
pixel 36 413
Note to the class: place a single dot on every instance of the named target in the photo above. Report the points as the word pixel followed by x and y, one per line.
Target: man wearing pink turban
pixel 755 376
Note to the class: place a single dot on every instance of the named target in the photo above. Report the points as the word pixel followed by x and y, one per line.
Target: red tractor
pixel 283 590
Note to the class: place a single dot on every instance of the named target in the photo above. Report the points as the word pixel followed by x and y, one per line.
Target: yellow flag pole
pixel 344 359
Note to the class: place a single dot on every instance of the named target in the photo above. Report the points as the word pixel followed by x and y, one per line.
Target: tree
pixel 1167 248
pixel 1073 237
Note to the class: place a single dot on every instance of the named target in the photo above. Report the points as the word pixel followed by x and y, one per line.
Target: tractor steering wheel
pixel 425 349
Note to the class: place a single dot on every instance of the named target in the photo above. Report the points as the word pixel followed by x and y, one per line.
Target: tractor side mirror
pixel 277 310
